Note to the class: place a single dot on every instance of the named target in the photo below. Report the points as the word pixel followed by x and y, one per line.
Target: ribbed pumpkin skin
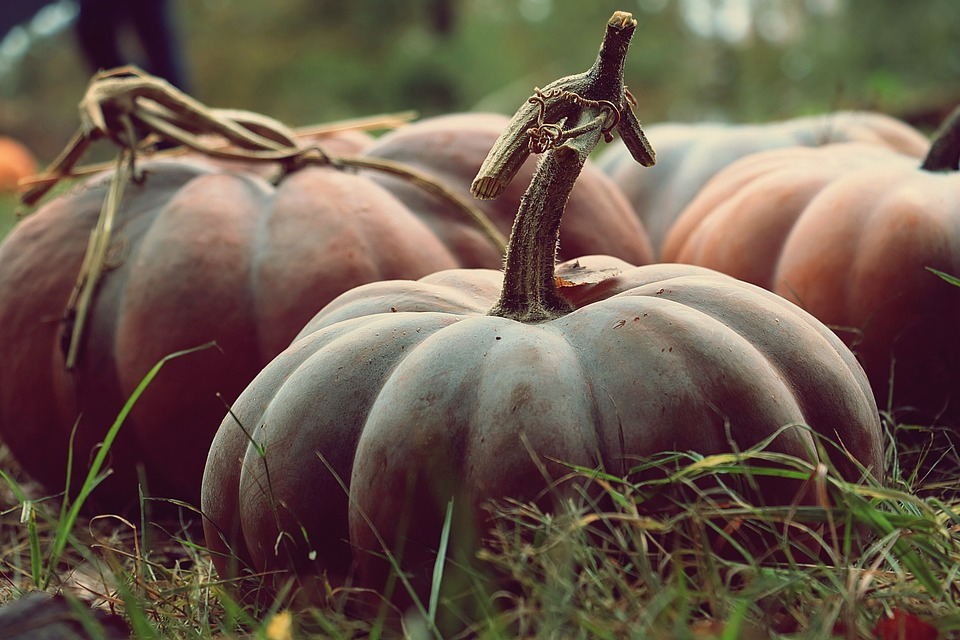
pixel 337 143
pixel 16 163
pixel 597 219
pixel 688 155
pixel 411 394
pixel 199 255
pixel 846 232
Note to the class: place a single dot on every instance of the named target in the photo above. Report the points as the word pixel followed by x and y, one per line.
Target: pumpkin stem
pixel 944 154
pixel 529 292
pixel 565 121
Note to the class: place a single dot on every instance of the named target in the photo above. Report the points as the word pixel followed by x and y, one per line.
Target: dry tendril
pixel 547 135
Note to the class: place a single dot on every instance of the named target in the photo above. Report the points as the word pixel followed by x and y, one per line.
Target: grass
pixel 717 566
pixel 680 554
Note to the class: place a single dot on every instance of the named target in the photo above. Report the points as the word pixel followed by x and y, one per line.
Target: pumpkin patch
pixel 400 398
pixel 209 250
pixel 399 376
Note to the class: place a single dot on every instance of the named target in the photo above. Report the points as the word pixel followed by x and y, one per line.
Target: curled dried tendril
pixel 548 135
pixel 544 137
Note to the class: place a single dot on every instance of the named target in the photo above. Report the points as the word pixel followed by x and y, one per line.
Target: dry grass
pixel 711 565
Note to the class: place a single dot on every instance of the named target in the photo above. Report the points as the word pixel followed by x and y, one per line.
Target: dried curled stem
pixel 564 121
pixel 561 101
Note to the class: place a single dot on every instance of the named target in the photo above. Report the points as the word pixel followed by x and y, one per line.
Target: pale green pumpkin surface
pixel 413 395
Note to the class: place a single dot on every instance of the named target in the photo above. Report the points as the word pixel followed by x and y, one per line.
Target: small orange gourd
pixel 16 163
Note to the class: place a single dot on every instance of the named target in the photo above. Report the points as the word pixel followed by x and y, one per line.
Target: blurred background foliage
pixel 312 61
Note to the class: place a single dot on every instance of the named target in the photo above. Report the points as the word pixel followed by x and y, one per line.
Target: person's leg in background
pixel 153 23
pixel 98 26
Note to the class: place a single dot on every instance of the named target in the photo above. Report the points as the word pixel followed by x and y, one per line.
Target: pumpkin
pixel 16 163
pixel 849 231
pixel 692 153
pixel 199 255
pixel 598 217
pixel 473 385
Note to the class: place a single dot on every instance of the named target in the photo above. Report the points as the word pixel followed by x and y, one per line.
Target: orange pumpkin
pixel 690 154
pixel 849 231
pixel 199 255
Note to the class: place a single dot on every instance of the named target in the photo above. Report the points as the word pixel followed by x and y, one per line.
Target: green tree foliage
pixel 308 61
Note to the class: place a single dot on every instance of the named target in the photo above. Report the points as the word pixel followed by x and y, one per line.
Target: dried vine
pixel 134 110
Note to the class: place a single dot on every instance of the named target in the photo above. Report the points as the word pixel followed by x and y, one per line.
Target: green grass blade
pixel 36 557
pixel 731 630
pixel 438 566
pixel 946 276
pixel 136 615
pixel 902 549
pixel 28 516
pixel 93 475
pixel 68 481
pixel 14 486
